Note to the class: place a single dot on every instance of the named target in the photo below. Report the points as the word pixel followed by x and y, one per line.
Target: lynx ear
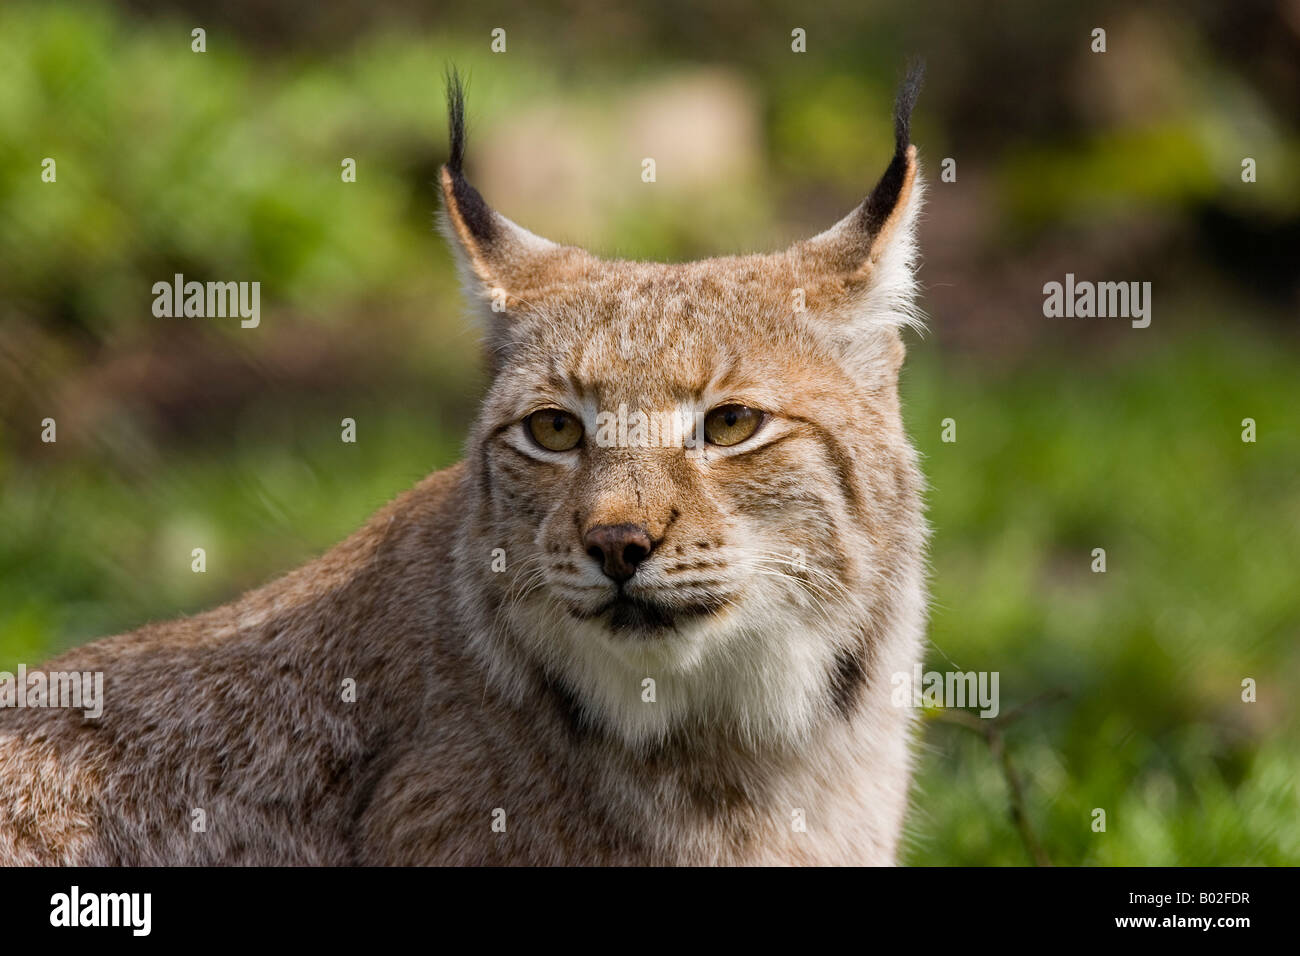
pixel 503 265
pixel 863 265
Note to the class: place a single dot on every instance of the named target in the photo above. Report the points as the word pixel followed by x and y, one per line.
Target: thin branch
pixel 990 728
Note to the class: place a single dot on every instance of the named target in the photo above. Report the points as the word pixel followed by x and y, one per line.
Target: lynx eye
pixel 554 429
pixel 731 424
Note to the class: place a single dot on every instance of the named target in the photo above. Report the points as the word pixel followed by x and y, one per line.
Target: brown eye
pixel 554 429
pixel 731 424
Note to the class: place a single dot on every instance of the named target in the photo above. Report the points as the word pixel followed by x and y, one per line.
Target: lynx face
pixel 697 472
pixel 629 528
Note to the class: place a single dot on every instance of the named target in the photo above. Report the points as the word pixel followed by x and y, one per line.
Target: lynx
pixel 575 646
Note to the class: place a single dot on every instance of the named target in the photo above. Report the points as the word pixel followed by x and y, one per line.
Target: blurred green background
pixel 1072 434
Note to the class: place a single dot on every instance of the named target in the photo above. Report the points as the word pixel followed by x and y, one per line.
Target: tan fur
pixel 481 690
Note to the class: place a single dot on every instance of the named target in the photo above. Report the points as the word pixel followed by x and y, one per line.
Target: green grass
pixel 1142 457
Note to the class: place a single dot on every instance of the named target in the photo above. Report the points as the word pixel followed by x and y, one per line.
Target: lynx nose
pixel 619 548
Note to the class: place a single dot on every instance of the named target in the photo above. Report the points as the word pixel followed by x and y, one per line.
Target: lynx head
pixel 697 471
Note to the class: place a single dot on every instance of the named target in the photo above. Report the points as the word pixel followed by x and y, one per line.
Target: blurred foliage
pixel 227 165
pixel 1143 458
pixel 174 162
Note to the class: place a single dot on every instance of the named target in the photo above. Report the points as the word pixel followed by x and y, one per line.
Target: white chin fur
pixel 755 670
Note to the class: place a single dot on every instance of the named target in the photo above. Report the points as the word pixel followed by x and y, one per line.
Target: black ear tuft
pixel 455 120
pixel 880 204
pixel 904 103
pixel 465 205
